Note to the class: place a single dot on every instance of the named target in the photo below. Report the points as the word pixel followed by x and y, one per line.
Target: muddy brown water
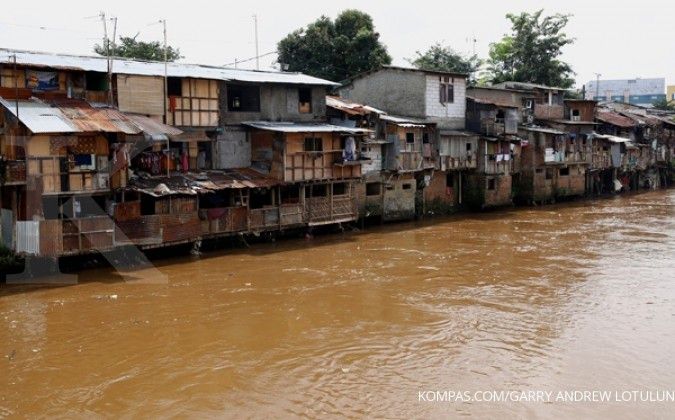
pixel 579 296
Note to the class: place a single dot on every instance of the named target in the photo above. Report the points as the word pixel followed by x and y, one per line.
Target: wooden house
pixel 552 166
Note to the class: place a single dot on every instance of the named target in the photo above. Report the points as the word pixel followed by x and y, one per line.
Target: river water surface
pixel 578 296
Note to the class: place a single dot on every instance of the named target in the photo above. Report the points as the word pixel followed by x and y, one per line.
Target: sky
pixel 617 39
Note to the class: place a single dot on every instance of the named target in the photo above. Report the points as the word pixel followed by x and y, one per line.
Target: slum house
pixel 317 165
pixel 544 102
pixel 552 165
pixel 498 151
pixel 633 149
pixel 523 100
pixel 208 104
pixel 424 97
pixel 63 207
pixel 579 123
pixel 369 191
pixel 398 148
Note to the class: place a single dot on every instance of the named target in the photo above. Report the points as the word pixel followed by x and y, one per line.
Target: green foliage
pixel 440 58
pixel 334 50
pixel 531 52
pixel 664 104
pixel 129 47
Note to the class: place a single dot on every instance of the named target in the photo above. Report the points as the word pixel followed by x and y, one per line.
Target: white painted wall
pixel 434 108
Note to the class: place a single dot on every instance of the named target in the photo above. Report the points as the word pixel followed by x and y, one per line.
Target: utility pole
pixel 111 55
pixel 597 85
pixel 106 45
pixel 16 90
pixel 166 97
pixel 257 54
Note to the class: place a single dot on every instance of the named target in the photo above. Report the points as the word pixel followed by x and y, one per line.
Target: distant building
pixel 642 92
pixel 670 92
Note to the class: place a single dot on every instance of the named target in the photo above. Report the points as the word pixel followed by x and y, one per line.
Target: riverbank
pixel 130 258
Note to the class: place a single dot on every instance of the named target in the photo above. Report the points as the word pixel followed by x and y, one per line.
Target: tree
pixel 129 47
pixel 440 58
pixel 334 50
pixel 664 104
pixel 531 52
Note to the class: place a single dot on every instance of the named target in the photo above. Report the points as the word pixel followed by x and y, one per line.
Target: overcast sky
pixel 617 39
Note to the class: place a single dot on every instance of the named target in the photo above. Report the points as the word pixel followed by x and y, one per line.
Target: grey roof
pixel 544 130
pixel 525 86
pixel 612 139
pixel 405 121
pixel 290 127
pixel 40 117
pixel 80 117
pixel 155 68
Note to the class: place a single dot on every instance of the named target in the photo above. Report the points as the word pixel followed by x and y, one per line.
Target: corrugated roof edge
pixel 390 67
pixel 305 79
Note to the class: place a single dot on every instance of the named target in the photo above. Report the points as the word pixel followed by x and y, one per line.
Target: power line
pixel 250 59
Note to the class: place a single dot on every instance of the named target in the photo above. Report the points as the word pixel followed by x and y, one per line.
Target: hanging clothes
pixel 349 152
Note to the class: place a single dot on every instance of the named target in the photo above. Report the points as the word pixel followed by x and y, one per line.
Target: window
pixel 549 173
pixel 446 90
pixel 313 144
pixel 243 98
pixel 317 190
pixel 289 194
pixel 96 81
pixel 490 184
pixel 468 147
pixel 499 118
pixel 410 138
pixel 305 100
pixel 373 188
pixel 564 171
pixel 449 181
pixel 576 115
pixel 174 86
pixel 339 188
pixel 407 186
pixel 529 103
pixel 425 138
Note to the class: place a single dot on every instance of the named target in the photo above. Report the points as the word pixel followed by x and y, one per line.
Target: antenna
pixel 257 54
pixel 111 54
pixel 106 45
pixel 166 93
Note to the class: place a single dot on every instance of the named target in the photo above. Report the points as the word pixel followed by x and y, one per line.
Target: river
pixel 577 296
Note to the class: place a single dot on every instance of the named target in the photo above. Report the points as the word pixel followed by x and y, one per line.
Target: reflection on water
pixel 575 296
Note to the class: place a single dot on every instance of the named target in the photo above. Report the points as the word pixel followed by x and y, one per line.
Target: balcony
pixel 330 209
pixel 308 166
pixel 458 162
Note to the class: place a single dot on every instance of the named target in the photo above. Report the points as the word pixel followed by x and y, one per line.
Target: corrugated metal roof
pixel 290 127
pixel 612 139
pixel 615 119
pixel 405 121
pixel 77 116
pixel 107 120
pixel 154 68
pixel 544 130
pixel 163 186
pixel 351 108
pixel 492 102
pixel 153 129
pixel 232 178
pixel 40 117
